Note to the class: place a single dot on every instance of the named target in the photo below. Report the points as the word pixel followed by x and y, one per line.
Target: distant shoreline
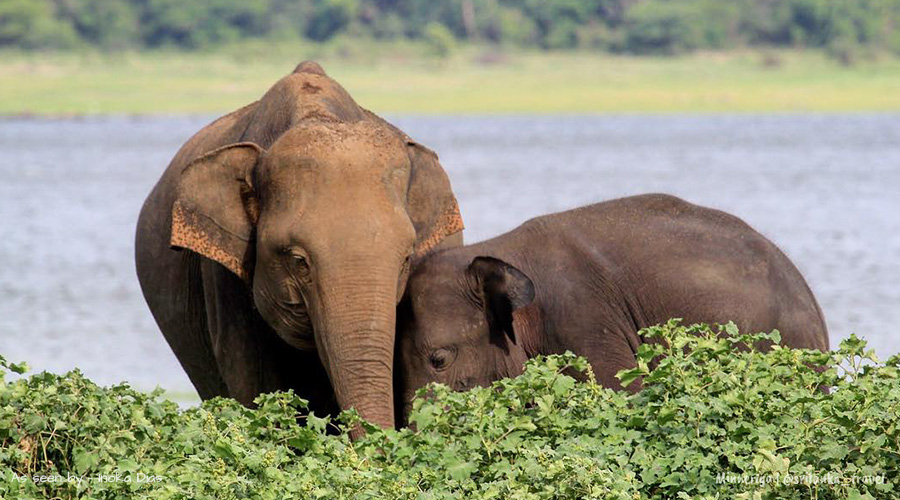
pixel 473 80
pixel 75 117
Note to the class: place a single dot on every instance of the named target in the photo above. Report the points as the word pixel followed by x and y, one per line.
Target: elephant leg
pixel 173 290
pixel 250 356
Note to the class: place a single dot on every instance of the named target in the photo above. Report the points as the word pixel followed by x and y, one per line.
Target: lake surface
pixel 825 188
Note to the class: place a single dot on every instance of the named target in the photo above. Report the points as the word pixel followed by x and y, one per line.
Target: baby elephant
pixel 587 280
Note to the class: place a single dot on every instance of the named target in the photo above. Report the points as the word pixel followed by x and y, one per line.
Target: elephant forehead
pixel 333 144
pixel 437 283
pixel 306 176
pixel 336 157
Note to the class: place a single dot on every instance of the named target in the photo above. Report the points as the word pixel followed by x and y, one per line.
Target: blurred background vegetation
pixel 114 40
pixel 842 27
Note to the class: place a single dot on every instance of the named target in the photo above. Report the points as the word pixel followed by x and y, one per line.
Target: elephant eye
pixel 299 258
pixel 302 264
pixel 442 358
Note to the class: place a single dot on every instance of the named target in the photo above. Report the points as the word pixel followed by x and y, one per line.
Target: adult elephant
pixel 274 249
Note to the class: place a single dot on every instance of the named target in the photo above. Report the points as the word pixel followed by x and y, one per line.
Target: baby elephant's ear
pixel 216 208
pixel 504 289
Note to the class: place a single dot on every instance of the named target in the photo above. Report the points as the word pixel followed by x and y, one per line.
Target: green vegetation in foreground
pixel 404 79
pixel 707 411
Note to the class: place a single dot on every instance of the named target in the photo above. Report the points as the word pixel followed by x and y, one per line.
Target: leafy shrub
pixel 663 27
pixel 708 410
pixel 440 40
pixel 31 25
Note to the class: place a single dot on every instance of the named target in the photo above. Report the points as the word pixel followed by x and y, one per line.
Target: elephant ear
pixel 430 201
pixel 507 296
pixel 216 208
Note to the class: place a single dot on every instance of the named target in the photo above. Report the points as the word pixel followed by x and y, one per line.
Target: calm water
pixel 824 188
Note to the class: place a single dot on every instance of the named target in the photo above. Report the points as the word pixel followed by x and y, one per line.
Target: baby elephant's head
pixel 456 324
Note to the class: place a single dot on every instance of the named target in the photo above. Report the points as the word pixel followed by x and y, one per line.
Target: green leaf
pixel 626 377
pixel 34 423
pixel 224 449
pixel 563 385
pixel 85 461
pixel 731 329
pixel 127 465
pixel 19 368
pixel 461 470
pixel 666 415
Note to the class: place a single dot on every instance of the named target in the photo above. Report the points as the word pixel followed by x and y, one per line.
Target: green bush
pixel 658 26
pixel 708 411
pixel 440 40
pixel 845 29
pixel 30 25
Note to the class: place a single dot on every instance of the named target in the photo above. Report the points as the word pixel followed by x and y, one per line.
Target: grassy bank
pixel 404 79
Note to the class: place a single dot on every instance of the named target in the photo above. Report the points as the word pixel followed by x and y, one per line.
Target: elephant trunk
pixel 355 339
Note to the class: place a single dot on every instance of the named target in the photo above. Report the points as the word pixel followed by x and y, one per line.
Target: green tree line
pixel 632 26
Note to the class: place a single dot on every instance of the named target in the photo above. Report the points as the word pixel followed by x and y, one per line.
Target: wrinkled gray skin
pixel 275 247
pixel 587 280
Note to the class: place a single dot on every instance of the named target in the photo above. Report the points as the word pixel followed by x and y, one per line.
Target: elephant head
pixel 322 227
pixel 464 322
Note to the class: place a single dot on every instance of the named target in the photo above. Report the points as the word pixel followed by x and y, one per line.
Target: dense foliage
pixel 707 412
pixel 639 26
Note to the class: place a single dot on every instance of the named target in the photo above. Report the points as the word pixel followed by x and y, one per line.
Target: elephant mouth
pixel 302 344
pixel 288 317
pixel 296 331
